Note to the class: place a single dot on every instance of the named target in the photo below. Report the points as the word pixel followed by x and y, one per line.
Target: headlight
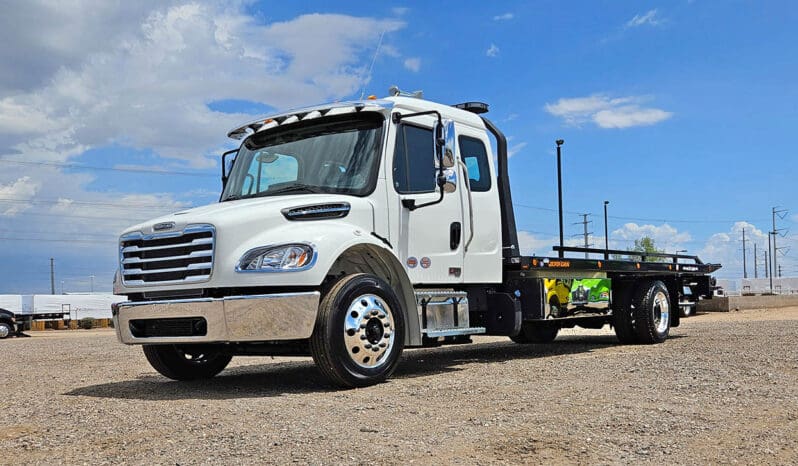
pixel 282 258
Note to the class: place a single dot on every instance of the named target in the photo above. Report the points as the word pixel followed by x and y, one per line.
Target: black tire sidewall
pixel 356 287
pixel 645 320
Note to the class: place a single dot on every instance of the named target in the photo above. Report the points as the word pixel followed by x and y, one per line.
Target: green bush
pixel 87 323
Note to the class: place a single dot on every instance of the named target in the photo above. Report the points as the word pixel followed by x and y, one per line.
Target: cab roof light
pixel 473 107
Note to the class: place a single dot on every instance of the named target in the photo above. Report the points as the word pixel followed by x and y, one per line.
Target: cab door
pixel 430 237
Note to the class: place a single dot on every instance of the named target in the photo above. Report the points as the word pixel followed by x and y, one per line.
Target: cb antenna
pixel 371 67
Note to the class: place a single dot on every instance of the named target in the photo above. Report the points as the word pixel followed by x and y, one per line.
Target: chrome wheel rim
pixel 661 311
pixel 4 331
pixel 369 331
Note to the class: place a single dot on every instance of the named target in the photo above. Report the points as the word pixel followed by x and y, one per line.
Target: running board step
pixel 452 332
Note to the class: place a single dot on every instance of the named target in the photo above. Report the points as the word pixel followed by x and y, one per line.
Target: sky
pixel 679 113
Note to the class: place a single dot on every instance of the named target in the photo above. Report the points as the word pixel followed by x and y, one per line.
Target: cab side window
pixel 414 160
pixel 475 156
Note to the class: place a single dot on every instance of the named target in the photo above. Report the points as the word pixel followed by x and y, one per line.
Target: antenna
pixel 371 67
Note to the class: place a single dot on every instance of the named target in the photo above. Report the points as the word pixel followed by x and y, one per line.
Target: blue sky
pixel 680 113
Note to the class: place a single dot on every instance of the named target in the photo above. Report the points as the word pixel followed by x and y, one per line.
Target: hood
pixel 261 213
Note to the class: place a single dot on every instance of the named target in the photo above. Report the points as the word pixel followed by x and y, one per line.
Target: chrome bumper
pixel 285 316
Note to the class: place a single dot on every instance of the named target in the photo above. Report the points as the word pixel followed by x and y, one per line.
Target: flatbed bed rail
pixel 674 264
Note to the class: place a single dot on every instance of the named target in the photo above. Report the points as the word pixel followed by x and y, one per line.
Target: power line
pixel 77 166
pixel 88 203
pixel 641 219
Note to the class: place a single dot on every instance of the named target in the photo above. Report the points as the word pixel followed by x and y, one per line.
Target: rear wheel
pixel 652 307
pixel 186 362
pixel 536 333
pixel 359 333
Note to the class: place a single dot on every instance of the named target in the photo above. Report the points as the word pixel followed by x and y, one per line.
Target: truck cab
pixel 346 231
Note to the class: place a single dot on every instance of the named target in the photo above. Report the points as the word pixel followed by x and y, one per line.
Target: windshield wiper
pixel 293 188
pixel 233 197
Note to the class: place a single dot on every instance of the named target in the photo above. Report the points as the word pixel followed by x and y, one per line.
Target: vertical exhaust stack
pixel 510 250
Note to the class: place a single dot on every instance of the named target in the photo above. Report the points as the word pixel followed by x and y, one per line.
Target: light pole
pixel 606 234
pixel 559 143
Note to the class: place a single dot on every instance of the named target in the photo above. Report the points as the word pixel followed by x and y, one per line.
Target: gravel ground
pixel 723 389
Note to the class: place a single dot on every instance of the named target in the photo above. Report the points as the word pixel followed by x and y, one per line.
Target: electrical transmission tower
pixel 745 269
pixel 585 222
pixel 774 262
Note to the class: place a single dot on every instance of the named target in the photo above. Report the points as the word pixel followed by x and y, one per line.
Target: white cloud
pixel 726 248
pixel 21 189
pixel 650 18
pixel 140 75
pixel 515 148
pixel 492 51
pixel 607 112
pixel 413 64
pixel 532 244
pixel 399 10
pixel 503 17
pixel 665 236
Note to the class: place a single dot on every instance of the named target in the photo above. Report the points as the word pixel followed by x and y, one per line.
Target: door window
pixel 475 156
pixel 414 160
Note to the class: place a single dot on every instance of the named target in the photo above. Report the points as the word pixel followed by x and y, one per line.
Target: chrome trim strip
pixel 280 316
pixel 455 331
pixel 192 255
pixel 195 242
pixel 199 266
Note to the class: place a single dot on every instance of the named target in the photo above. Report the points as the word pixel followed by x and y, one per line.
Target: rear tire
pixel 186 362
pixel 652 308
pixel 359 333
pixel 540 333
pixel 623 318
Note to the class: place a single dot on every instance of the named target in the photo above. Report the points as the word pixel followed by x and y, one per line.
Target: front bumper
pixel 284 316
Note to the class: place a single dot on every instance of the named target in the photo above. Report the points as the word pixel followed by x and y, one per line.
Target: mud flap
pixel 504 314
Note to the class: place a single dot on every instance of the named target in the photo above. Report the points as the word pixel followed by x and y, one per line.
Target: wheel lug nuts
pixel 362 337
pixel 368 345
pixel 383 345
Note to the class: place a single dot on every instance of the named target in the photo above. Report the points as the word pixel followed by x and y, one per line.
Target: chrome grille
pixel 167 258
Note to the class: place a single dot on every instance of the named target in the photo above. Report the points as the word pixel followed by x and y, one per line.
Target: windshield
pixel 337 155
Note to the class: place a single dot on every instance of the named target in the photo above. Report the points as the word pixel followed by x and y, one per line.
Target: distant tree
pixel 644 245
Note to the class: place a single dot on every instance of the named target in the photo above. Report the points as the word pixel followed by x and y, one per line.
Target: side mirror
pixel 446 140
pixel 227 166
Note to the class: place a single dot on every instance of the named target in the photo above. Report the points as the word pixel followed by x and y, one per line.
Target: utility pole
pixel 779 270
pixel 52 276
pixel 92 283
pixel 770 266
pixel 745 270
pixel 559 143
pixel 756 263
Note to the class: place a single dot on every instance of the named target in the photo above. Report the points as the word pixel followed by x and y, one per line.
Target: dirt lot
pixel 724 389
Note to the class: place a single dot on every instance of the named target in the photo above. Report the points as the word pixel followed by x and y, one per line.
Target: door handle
pixel 455 232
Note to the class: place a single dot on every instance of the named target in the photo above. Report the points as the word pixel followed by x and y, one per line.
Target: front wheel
pixel 6 330
pixel 359 333
pixel 186 362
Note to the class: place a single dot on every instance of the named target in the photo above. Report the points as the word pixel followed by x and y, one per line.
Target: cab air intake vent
pixel 317 211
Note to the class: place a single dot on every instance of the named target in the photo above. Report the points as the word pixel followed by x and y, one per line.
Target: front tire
pixel 359 333
pixel 543 332
pixel 6 330
pixel 186 362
